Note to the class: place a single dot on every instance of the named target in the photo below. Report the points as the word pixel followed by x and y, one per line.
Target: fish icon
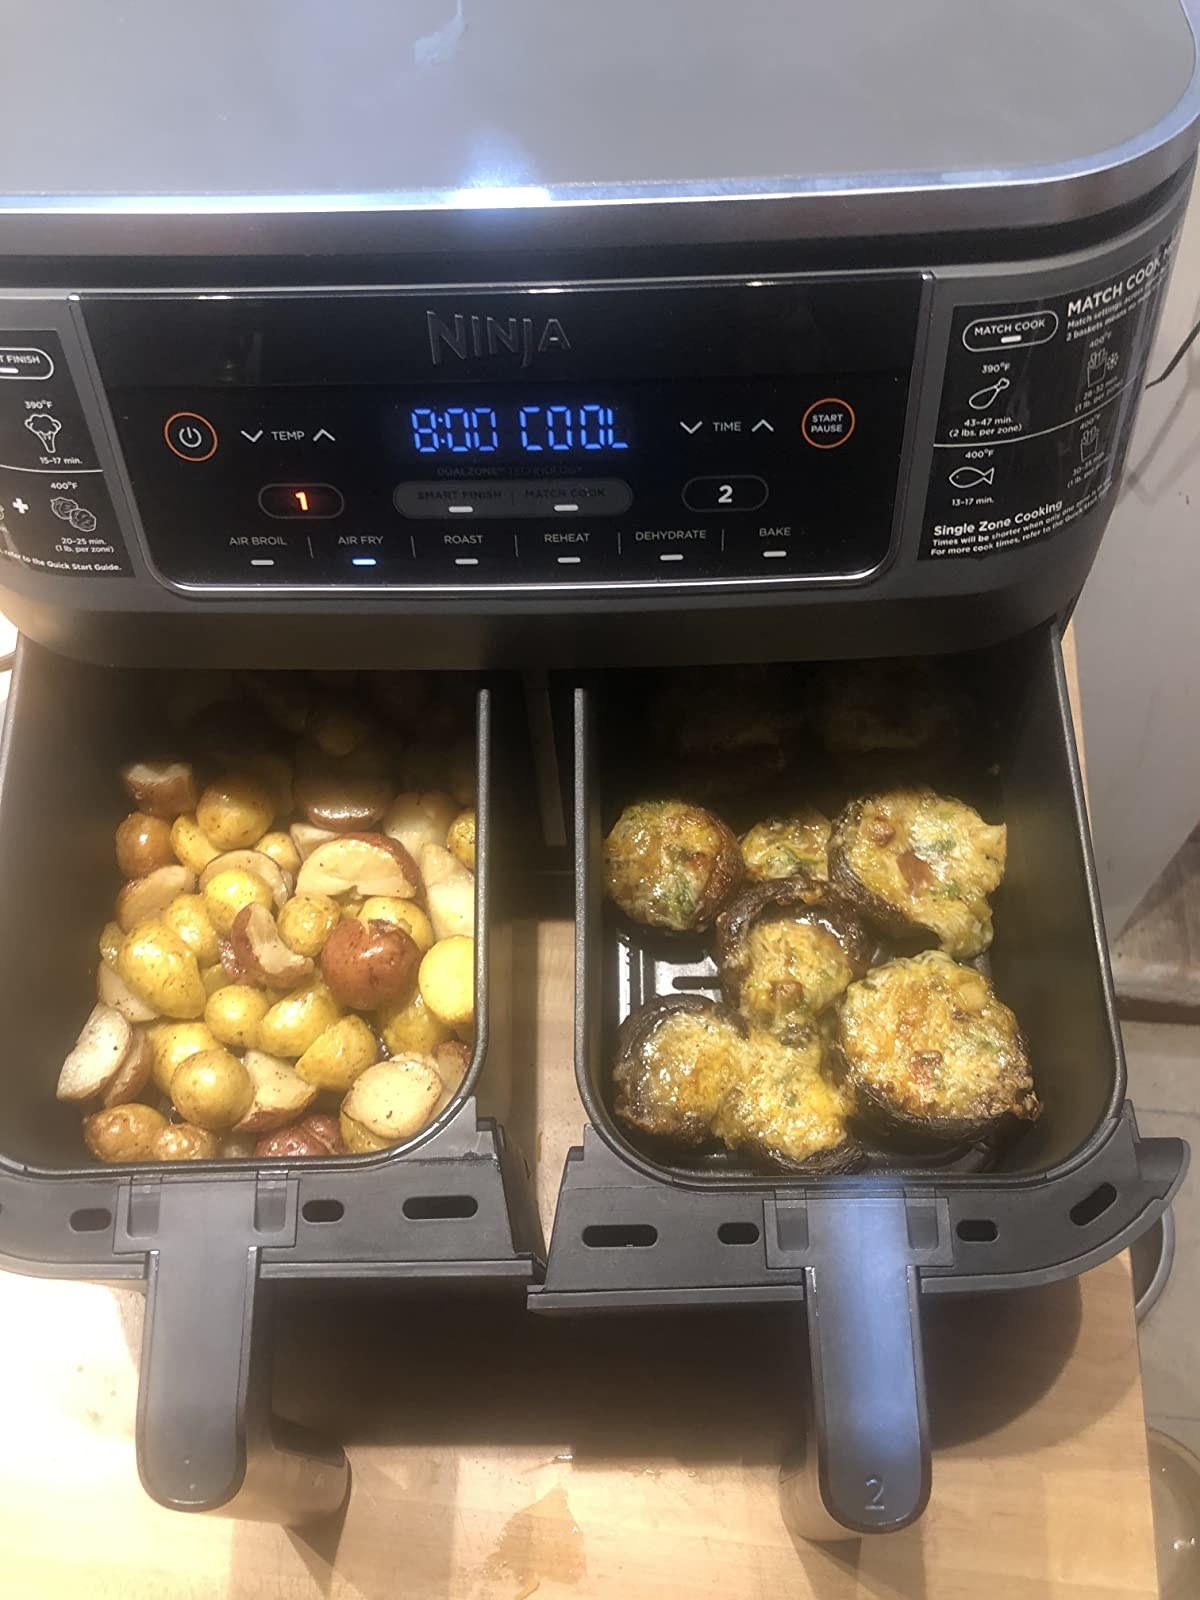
pixel 972 477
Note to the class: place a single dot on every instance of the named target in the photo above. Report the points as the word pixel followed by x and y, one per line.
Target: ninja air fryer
pixel 500 340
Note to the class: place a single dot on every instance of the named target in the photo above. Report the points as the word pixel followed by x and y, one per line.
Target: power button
pixel 190 436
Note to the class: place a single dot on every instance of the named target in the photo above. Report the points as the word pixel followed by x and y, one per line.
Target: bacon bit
pixel 918 874
pixel 924 1064
pixel 879 831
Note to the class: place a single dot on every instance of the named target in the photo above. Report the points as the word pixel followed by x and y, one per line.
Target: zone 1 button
pixel 828 423
pixel 743 492
pixel 190 436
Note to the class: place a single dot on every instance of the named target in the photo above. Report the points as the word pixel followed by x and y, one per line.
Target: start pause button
pixel 828 423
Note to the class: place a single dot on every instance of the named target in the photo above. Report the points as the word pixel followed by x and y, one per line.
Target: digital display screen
pixel 511 430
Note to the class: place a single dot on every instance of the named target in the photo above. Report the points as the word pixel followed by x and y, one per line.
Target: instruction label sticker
pixel 1037 411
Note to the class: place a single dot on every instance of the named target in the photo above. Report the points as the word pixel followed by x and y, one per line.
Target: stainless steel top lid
pixel 373 125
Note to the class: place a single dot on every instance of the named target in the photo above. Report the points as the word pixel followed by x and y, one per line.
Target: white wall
pixel 1138 625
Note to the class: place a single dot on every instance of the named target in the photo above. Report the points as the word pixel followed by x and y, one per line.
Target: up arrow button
pixel 324 433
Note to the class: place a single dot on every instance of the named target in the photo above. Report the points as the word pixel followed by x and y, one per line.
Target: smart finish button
pixel 190 436
pixel 828 423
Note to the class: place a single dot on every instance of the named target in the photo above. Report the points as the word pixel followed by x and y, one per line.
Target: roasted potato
pixel 369 964
pixel 259 865
pixel 412 1028
pixel 362 864
pixel 279 1094
pixel 235 810
pixel 97 1055
pixel 161 970
pixel 281 849
pixel 111 940
pixel 112 990
pixel 145 898
pixel 173 1042
pixel 447 980
pixel 783 960
pixel 930 1053
pixel 306 921
pixel 782 847
pixel 406 914
pixel 134 1072
pixel 420 818
pixel 190 844
pixel 261 954
pixel 143 843
pixel 669 864
pixel 460 841
pixel 230 891
pixel 188 915
pixel 449 892
pixel 339 1054
pixel 918 862
pixel 391 1101
pixel 315 1135
pixel 160 788
pixel 292 1023
pixel 212 1089
pixel 343 803
pixel 123 1133
pixel 691 1070
pixel 184 1141
pixel 234 1014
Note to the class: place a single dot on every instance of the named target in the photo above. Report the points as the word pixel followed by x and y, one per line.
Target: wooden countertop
pixel 497 1456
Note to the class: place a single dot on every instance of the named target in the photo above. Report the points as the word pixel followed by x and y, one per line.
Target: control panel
pixel 721 432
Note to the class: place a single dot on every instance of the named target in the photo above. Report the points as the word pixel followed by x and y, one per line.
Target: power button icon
pixel 190 436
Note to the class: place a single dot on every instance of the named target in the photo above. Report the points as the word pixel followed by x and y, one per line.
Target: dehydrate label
pixel 1037 410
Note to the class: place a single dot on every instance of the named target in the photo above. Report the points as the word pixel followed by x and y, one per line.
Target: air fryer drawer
pixel 637 1228
pixel 209 1238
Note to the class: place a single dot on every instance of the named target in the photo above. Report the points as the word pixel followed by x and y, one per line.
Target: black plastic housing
pixel 209 1238
pixel 634 1231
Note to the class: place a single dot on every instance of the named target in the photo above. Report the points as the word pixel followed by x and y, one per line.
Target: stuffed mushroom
pixel 917 862
pixel 906 704
pixel 783 959
pixel 692 1070
pixel 783 846
pixel 669 864
pixel 930 1052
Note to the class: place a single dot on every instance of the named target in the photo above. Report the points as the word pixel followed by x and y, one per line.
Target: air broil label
pixel 1037 410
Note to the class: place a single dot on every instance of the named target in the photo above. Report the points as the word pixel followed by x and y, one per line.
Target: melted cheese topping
pixel 783 846
pixel 752 1091
pixel 796 970
pixel 934 860
pixel 659 859
pixel 930 1038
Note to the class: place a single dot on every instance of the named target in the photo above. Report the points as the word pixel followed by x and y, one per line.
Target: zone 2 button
pixel 743 493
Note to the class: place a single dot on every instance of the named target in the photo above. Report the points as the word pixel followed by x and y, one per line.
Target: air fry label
pixel 1037 409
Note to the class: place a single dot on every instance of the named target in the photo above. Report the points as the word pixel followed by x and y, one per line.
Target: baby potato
pixel 161 970
pixel 190 845
pixel 282 851
pixel 212 1089
pixel 293 1023
pixel 234 1013
pixel 123 1133
pixel 411 1028
pixel 134 1072
pixel 111 940
pixel 314 1135
pixel 189 917
pixel 339 1054
pixel 143 843
pixel 447 980
pixel 460 841
pixel 417 818
pixel 142 899
pixel 112 990
pixel 449 892
pixel 357 1139
pixel 163 788
pixel 306 921
pixel 406 914
pixel 369 964
pixel 394 1099
pixel 183 1141
pixel 214 977
pixel 337 727
pixel 229 891
pixel 171 1043
pixel 235 811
